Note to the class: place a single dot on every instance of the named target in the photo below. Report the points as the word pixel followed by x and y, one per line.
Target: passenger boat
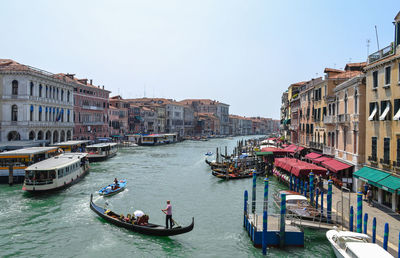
pixel 347 244
pixel 298 205
pixel 149 229
pixel 101 151
pixel 158 139
pixel 112 189
pixel 19 160
pixel 72 146
pixel 56 172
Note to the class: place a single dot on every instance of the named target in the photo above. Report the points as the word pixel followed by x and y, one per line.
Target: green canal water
pixel 61 224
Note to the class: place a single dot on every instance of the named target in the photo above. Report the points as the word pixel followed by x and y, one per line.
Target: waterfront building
pixel 233 125
pixel 382 137
pixel 113 121
pixel 123 108
pixel 188 120
pixel 149 119
pixel 285 116
pixel 207 124
pixel 306 125
pixel 217 108
pixel 294 111
pixel 35 104
pixel 91 105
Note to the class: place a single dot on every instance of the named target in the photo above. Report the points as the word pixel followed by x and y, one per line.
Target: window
pixel 40 90
pixel 68 95
pixel 14 113
pixel 373 146
pixel 375 80
pixel 345 103
pixel 344 138
pixel 62 95
pixel 398 152
pixel 356 102
pixel 31 114
pixel 385 110
pixel 40 113
pixel 386 150
pixel 387 75
pixel 47 91
pixel 373 111
pixel 14 86
pixel 396 110
pixel 31 91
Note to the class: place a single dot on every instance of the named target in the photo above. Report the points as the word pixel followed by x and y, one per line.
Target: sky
pixel 244 53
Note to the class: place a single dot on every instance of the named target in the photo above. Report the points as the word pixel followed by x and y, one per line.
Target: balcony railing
pixel 343 118
pixel 329 119
pixel 384 52
pixel 316 145
pixel 328 150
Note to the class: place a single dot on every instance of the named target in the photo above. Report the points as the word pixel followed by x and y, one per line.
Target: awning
pixel 321 159
pixel 397 116
pixel 385 112
pixel 298 167
pixel 371 117
pixel 293 148
pixel 370 175
pixel 313 155
pixel 264 153
pixel 335 165
pixel 390 184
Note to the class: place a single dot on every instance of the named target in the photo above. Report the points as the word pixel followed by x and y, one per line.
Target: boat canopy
pixel 366 249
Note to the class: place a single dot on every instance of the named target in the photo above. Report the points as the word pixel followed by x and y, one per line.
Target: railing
pixel 328 150
pixel 317 145
pixel 329 119
pixel 384 52
pixel 343 118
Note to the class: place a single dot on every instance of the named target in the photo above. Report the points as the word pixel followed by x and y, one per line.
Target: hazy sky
pixel 243 53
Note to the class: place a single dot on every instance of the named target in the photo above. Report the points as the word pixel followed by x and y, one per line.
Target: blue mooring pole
pixel 365 222
pixel 351 219
pixel 386 236
pixel 374 230
pixel 316 198
pixel 322 202
pixel 359 212
pixel 329 201
pixel 246 198
pixel 297 185
pixel 398 248
pixel 266 184
pixel 290 182
pixel 311 188
pixel 253 204
pixel 264 233
pixel 301 186
pixel 283 222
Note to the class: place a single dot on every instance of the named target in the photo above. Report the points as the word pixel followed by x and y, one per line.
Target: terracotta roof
pixel 201 101
pixel 347 74
pixel 330 70
pixel 67 78
pixel 356 64
pixel 297 84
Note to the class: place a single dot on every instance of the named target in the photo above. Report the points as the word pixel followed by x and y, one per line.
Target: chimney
pixel 91 81
pixel 84 81
pixel 70 75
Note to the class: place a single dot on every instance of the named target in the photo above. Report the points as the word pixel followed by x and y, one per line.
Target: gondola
pixel 214 164
pixel 112 189
pixel 149 229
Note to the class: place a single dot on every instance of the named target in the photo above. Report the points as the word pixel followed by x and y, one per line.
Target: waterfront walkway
pixel 382 214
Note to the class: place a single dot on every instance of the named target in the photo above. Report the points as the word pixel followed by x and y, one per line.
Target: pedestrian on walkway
pixel 366 186
pixel 369 196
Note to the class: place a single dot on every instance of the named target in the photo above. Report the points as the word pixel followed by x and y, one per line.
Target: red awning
pixel 321 159
pixel 293 148
pixel 284 145
pixel 335 165
pixel 313 155
pixel 298 167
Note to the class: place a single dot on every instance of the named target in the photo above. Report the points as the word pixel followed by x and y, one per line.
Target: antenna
pixel 144 90
pixel 368 43
pixel 376 33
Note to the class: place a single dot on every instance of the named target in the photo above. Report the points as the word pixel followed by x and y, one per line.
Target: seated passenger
pixel 121 217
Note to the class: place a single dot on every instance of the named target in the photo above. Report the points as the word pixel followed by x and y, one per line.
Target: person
pixel 369 196
pixel 137 214
pixel 168 213
pixel 115 184
pixel 366 186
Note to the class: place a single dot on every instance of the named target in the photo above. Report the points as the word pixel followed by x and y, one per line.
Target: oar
pixel 173 221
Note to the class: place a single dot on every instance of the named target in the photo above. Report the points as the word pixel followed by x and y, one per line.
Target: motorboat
pixel 114 188
pixel 209 153
pixel 347 244
pixel 298 205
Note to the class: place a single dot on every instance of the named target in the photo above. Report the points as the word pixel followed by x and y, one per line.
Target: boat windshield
pixel 342 241
pixel 40 176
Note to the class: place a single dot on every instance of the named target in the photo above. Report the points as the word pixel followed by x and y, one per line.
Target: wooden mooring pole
pixel 10 175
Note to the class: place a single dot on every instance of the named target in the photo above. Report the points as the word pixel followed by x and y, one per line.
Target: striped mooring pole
pixel 374 230
pixel 322 202
pixel 386 236
pixel 359 212
pixel 283 222
pixel 297 185
pixel 246 198
pixel 301 186
pixel 398 248
pixel 351 219
pixel 316 198
pixel 312 188
pixel 264 233
pixel 253 196
pixel 266 183
pixel 305 188
pixel 365 222
pixel 290 182
pixel 329 200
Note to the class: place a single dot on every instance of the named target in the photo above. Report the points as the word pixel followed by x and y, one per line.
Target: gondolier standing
pixel 168 213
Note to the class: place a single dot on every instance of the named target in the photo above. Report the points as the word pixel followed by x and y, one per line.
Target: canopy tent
pixel 335 165
pixel 313 155
pixel 321 159
pixel 264 153
pixel 293 148
pixel 298 167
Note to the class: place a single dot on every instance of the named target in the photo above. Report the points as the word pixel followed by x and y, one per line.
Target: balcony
pixel 343 118
pixel 316 145
pixel 93 123
pixel 384 52
pixel 328 150
pixel 329 119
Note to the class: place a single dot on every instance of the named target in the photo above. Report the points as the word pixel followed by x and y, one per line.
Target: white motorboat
pixel 347 244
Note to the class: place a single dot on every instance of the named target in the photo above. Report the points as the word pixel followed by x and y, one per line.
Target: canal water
pixel 61 224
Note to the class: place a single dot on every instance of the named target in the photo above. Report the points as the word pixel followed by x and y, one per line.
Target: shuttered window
pixel 387 75
pixel 373 146
pixel 386 150
pixel 375 79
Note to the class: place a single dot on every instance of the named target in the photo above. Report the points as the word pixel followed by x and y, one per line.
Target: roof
pixel 370 175
pixel 298 167
pixel 99 145
pixel 70 143
pixel 367 250
pixel 201 101
pixel 293 148
pixel 347 74
pixel 390 183
pixel 313 155
pixel 72 79
pixel 321 159
pixel 29 151
pixel 56 162
pixel 335 165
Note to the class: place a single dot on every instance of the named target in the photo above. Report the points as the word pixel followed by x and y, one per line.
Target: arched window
pixel 54 93
pixel 57 94
pixel 13 136
pixel 62 136
pixel 40 113
pixel 14 113
pixel 356 102
pixel 40 90
pixel 55 136
pixel 68 135
pixel 14 87
pixel 32 136
pixel 40 135
pixel 68 95
pixel 31 91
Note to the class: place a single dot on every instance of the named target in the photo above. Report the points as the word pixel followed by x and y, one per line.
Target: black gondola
pixel 149 229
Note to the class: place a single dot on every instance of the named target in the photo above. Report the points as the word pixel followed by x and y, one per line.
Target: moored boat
pixel 347 244
pixel 56 173
pixel 149 229
pixel 298 205
pixel 101 151
pixel 112 189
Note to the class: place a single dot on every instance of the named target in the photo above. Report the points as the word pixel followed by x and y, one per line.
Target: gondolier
pixel 168 213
